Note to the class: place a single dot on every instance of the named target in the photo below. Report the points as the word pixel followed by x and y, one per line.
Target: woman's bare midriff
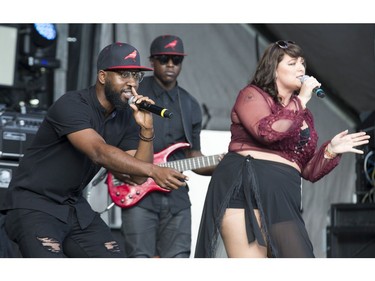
pixel 268 156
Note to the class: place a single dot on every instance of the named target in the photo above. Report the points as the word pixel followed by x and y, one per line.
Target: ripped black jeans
pixel 40 235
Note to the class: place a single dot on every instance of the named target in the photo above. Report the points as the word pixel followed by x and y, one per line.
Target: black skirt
pixel 271 187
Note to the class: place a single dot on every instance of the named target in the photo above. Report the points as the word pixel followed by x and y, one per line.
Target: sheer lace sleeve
pixel 318 166
pixel 265 120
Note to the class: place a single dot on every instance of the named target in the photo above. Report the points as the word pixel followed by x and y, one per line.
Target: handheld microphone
pixel 163 112
pixel 318 91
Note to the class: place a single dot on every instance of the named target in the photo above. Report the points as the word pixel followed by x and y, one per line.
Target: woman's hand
pixel 307 88
pixel 345 142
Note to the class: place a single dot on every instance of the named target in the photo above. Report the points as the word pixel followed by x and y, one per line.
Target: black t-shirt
pixel 184 127
pixel 52 174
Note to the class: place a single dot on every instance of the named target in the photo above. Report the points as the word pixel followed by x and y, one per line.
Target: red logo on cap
pixel 171 44
pixel 132 55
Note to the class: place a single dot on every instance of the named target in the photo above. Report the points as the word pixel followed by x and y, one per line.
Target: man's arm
pixel 89 142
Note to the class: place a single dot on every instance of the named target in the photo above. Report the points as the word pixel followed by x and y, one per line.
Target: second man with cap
pixel 160 224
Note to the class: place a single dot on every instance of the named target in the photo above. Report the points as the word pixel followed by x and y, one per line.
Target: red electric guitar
pixel 125 196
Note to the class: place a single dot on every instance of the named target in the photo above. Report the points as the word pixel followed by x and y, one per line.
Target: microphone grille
pixel 303 78
pixel 131 100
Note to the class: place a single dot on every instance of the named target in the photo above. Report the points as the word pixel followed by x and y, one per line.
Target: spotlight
pixel 40 46
pixel 44 34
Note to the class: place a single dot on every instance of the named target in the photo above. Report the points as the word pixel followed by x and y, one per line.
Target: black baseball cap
pixel 120 56
pixel 167 45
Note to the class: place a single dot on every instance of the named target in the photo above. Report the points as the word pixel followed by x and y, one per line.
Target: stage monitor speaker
pixel 96 193
pixel 352 231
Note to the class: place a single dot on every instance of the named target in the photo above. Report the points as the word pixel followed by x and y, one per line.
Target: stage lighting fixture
pixel 40 42
pixel 44 34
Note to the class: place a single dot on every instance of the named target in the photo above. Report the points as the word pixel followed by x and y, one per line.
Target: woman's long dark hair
pixel 264 76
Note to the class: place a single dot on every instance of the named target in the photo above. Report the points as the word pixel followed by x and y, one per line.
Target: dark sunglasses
pixel 284 44
pixel 164 59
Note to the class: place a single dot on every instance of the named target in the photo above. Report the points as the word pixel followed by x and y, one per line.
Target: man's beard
pixel 114 97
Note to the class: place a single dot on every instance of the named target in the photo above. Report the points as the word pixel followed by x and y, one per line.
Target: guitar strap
pixel 185 106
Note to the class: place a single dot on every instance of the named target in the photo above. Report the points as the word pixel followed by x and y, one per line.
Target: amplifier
pixel 17 132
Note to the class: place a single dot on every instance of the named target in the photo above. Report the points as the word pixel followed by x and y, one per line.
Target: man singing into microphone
pixel 84 130
pixel 160 224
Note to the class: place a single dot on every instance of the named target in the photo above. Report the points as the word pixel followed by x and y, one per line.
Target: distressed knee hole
pixel 50 244
pixel 112 246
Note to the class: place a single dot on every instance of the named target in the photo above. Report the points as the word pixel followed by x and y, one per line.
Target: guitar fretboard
pixel 192 163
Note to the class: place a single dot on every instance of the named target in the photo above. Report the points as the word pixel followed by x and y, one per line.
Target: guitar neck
pixel 192 163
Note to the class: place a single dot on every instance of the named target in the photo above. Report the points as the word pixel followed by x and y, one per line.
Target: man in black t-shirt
pixel 46 213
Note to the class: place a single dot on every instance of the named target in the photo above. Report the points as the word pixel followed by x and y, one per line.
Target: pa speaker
pixel 352 231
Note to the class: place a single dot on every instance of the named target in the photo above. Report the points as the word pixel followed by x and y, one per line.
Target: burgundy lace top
pixel 261 124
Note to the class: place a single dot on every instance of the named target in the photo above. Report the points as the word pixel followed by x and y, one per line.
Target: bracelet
pixel 146 139
pixel 329 154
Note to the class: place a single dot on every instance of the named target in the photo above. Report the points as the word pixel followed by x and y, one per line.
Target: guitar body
pixel 126 196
